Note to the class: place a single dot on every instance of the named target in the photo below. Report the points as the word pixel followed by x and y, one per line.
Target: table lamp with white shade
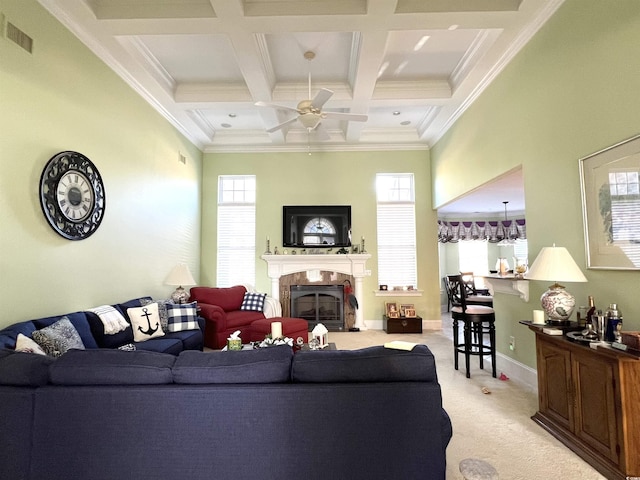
pixel 555 264
pixel 180 275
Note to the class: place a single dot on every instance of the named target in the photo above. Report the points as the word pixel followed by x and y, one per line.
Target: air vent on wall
pixel 19 37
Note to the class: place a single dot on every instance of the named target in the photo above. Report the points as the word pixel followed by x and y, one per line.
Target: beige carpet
pixel 494 427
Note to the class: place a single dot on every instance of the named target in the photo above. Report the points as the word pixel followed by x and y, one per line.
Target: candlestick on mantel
pixel 268 250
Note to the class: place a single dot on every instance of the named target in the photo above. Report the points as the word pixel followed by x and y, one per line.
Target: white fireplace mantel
pixel 349 264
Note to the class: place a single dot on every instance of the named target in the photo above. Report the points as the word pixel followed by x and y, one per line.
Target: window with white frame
pixel 473 256
pixel 396 217
pixel 236 230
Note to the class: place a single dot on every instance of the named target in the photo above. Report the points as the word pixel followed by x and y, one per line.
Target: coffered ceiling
pixel 411 66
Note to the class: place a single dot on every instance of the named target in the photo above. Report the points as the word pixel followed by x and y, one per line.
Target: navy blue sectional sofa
pixel 91 331
pixel 373 413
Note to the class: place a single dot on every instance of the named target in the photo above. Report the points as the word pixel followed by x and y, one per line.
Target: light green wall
pixel 572 91
pixel 59 98
pixel 327 178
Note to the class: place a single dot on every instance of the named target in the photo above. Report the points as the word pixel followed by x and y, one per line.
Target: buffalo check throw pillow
pixel 253 301
pixel 182 317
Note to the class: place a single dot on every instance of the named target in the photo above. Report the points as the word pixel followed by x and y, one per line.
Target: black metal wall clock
pixel 72 195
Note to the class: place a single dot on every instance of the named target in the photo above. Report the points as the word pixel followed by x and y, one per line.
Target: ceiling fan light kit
pixel 310 112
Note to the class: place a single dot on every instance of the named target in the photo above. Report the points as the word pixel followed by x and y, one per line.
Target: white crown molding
pixel 315 148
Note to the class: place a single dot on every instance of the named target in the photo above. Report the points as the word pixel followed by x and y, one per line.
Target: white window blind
pixel 236 230
pixel 521 250
pixel 396 230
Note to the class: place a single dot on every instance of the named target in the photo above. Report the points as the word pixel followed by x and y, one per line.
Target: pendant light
pixel 507 240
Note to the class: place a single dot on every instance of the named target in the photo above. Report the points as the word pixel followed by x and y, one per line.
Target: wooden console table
pixel 589 399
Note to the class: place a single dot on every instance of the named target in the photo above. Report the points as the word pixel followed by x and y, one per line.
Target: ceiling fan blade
pixel 320 133
pixel 275 105
pixel 282 125
pixel 354 117
pixel 321 98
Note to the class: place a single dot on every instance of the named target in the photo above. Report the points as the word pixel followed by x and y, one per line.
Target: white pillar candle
pixel 538 316
pixel 276 329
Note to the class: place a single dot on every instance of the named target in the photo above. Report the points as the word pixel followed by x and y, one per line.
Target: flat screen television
pixel 316 226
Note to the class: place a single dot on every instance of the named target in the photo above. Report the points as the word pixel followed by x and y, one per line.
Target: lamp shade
pixel 180 275
pixel 555 264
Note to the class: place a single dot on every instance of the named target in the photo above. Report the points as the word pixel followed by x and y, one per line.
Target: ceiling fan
pixel 310 112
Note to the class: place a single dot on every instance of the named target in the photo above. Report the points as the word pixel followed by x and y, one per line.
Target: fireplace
pixel 319 304
pixel 313 265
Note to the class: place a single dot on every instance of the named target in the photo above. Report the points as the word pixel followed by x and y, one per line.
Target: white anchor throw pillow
pixel 145 322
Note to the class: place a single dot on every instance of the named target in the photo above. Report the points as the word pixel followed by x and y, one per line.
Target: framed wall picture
pixel 392 310
pixel 610 187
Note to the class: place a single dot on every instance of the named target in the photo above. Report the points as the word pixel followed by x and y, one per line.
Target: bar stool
pixel 475 296
pixel 478 321
pixel 450 295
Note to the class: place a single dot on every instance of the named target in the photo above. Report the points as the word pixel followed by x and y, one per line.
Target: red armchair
pixel 220 307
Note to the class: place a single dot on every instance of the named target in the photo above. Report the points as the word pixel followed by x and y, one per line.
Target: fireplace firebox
pixel 319 304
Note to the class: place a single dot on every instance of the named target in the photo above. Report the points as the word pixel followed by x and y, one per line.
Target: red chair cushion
pixel 229 299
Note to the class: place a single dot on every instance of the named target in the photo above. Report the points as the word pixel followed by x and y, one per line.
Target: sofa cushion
pixel 145 322
pixel 191 339
pixel 372 364
pixel 58 338
pixel 79 322
pixel 135 302
pixel 163 344
pixel 242 318
pixel 24 369
pixel 108 341
pixel 9 334
pixel 229 299
pixel 253 302
pixel 182 317
pixel 111 367
pixel 27 345
pixel 263 365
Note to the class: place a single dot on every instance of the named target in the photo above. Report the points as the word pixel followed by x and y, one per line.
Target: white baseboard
pixel 517 371
pixel 373 324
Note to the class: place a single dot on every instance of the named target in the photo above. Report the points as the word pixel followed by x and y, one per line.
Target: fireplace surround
pixel 319 304
pixel 349 264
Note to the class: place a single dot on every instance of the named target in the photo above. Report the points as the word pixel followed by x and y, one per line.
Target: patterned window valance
pixel 490 230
